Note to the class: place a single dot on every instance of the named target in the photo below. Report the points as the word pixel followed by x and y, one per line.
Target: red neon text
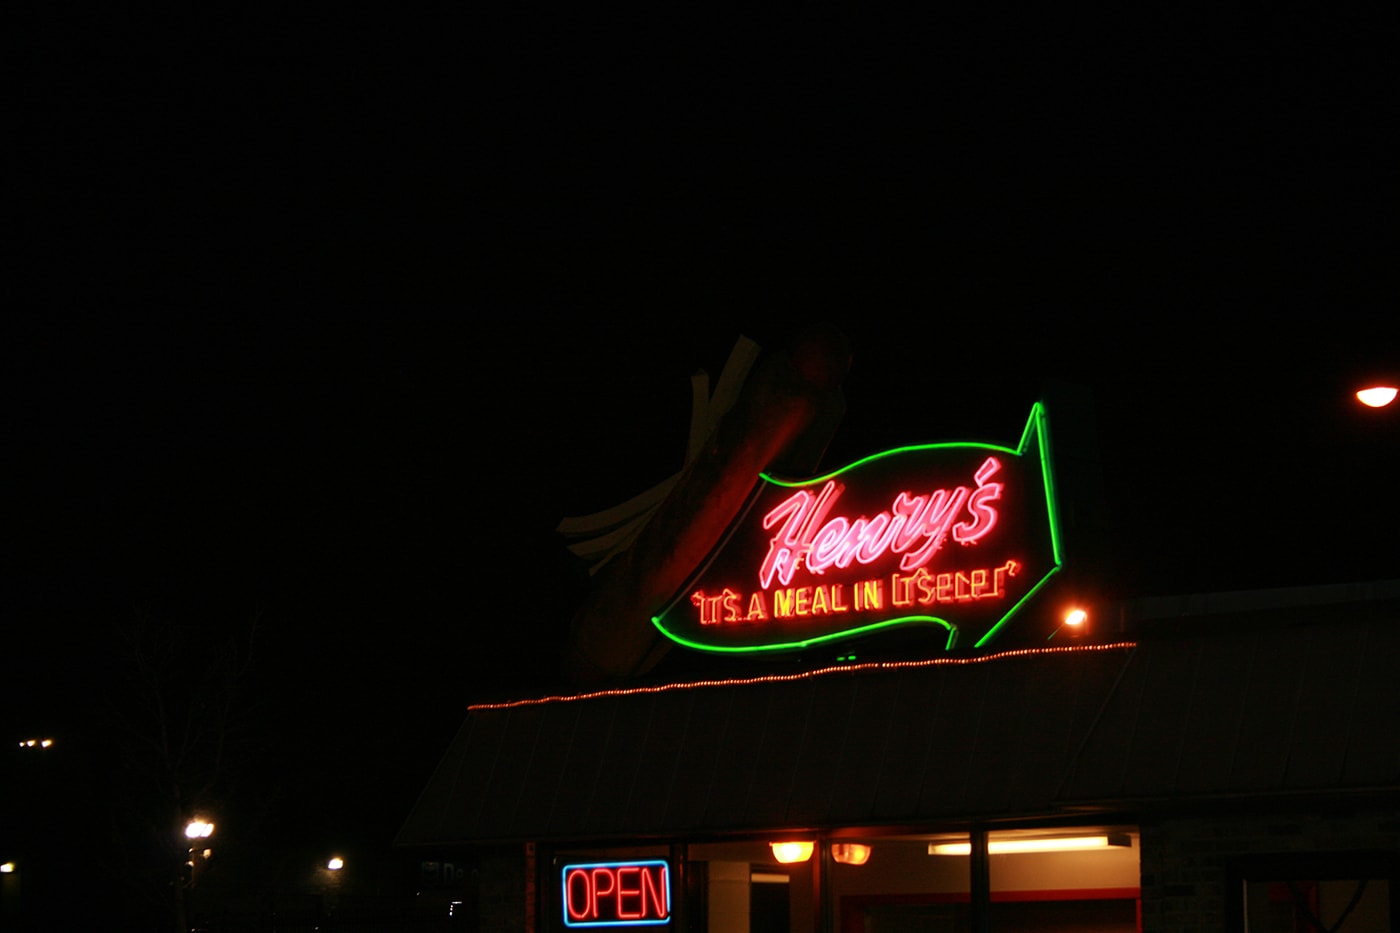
pixel 914 526
pixel 616 893
pixel 922 588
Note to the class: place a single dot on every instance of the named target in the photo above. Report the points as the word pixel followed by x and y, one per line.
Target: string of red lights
pixel 786 678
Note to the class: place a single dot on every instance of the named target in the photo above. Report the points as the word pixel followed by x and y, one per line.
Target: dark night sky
pixel 337 322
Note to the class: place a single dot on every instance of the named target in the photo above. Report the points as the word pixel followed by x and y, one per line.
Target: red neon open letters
pixel 610 894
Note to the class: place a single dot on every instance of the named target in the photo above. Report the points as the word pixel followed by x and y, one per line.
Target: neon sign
pixel 956 535
pixel 616 894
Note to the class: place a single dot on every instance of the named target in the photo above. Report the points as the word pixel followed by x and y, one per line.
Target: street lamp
pixel 195 830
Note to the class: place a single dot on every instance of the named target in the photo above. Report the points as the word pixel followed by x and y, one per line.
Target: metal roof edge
pixel 1229 602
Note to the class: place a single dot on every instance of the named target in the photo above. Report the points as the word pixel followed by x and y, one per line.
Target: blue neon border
pixel 564 892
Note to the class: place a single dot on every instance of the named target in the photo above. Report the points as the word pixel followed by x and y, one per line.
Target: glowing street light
pixel 1377 396
pixel 1074 619
pixel 198 829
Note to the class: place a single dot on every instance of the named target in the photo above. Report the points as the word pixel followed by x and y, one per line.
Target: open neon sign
pixel 955 535
pixel 617 894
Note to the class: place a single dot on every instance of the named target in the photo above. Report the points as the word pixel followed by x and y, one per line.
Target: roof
pixel 1208 714
pixel 1256 711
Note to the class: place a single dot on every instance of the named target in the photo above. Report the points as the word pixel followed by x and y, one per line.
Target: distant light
pixel 788 852
pixel 198 829
pixel 1076 617
pixel 7 868
pixel 336 864
pixel 1377 396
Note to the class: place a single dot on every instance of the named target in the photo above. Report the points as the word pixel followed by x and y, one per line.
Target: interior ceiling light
pixel 788 852
pixel 1377 396
pixel 1044 844
pixel 768 877
pixel 850 853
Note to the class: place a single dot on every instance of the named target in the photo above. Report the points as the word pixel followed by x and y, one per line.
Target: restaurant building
pixel 899 731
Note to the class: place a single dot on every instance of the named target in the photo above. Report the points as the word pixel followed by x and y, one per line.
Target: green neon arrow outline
pixel 1036 424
